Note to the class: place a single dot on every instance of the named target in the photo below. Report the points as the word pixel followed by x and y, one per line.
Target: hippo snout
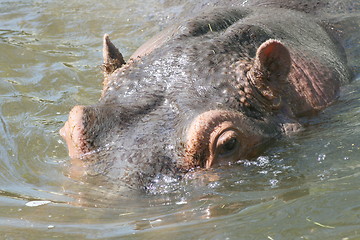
pixel 88 127
pixel 73 133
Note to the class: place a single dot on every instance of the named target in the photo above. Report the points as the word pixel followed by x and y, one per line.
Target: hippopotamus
pixel 212 89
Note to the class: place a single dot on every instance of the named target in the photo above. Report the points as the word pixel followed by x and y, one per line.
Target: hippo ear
pixel 270 70
pixel 273 59
pixel 113 59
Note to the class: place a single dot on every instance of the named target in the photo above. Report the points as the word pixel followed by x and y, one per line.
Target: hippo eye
pixel 228 145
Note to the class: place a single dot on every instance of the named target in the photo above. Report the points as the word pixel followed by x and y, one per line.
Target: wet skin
pixel 213 89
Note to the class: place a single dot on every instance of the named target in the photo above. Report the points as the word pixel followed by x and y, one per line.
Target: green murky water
pixel 305 187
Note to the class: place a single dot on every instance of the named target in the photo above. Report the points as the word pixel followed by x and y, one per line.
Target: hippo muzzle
pixel 121 152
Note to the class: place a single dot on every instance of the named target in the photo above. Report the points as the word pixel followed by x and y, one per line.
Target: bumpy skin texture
pixel 215 88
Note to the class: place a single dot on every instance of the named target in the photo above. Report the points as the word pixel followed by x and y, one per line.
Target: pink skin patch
pixel 73 133
pixel 206 131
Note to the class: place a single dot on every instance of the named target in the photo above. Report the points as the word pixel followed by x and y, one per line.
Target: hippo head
pixel 204 96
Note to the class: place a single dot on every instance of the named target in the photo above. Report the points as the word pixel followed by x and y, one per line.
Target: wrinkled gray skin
pixel 138 130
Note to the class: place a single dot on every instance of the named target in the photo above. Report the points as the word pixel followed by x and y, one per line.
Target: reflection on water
pixel 305 187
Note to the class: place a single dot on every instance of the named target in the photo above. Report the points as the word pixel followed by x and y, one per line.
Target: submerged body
pixel 213 89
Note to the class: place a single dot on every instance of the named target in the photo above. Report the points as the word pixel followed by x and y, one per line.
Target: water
pixel 304 187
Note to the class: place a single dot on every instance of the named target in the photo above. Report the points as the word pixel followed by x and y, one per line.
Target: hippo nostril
pixel 73 133
pixel 62 131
